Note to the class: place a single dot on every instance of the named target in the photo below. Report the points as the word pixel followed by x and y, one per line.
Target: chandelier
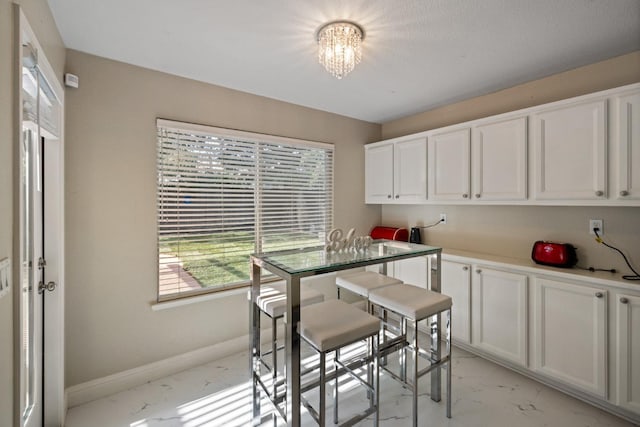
pixel 340 47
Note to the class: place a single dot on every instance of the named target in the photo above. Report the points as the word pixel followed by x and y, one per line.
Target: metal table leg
pixel 436 330
pixel 292 348
pixel 254 341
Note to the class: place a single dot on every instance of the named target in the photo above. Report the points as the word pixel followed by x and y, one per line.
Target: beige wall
pixel 603 75
pixel 511 230
pixel 41 20
pixel 110 208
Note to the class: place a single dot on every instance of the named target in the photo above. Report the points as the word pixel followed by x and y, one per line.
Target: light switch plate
pixel 5 276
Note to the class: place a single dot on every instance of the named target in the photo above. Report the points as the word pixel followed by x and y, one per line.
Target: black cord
pixel 431 225
pixel 626 277
pixel 592 269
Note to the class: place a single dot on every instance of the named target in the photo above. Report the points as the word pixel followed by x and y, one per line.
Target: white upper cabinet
pixel 410 170
pixel 499 160
pixel 583 151
pixel 378 181
pixel 628 155
pixel 396 172
pixel 449 165
pixel 571 152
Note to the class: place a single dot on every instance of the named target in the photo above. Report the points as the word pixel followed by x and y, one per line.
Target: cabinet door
pixel 449 167
pixel 499 313
pixel 456 283
pixel 628 351
pixel 570 150
pixel 570 334
pixel 412 271
pixel 628 161
pixel 378 174
pixel 499 153
pixel 410 170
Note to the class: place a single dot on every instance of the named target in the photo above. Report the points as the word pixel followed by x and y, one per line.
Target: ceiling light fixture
pixel 340 47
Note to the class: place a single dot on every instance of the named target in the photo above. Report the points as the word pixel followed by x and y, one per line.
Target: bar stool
pixel 330 326
pixel 273 303
pixel 412 303
pixel 363 282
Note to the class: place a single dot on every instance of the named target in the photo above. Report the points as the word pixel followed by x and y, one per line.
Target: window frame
pixel 245 136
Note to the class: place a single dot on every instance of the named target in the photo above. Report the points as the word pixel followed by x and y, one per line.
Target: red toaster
pixel 554 254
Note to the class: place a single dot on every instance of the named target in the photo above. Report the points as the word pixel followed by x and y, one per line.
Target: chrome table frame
pixel 292 276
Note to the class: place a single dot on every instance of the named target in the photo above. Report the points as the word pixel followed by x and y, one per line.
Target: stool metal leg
pixel 274 354
pixel 321 411
pixel 415 374
pixel 436 378
pixel 449 364
pixel 335 391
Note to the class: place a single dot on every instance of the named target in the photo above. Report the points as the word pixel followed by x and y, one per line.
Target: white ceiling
pixel 417 54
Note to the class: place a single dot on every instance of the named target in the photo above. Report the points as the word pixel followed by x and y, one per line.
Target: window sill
pixel 157 306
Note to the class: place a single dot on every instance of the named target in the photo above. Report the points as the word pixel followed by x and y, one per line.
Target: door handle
pixel 50 286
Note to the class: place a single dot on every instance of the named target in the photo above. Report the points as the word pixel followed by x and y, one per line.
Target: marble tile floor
pixel 218 394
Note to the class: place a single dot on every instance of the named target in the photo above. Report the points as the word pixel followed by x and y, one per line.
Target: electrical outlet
pixel 443 218
pixel 596 223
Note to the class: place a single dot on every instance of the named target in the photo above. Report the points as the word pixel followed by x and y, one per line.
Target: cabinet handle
pixel 478 271
pixel 599 193
pixel 388 196
pixel 624 300
pixel 477 195
pixel 465 195
pixel 397 196
pixel 599 294
pixel 465 268
pixel 624 193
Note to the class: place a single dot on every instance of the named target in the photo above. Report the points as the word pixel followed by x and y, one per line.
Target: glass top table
pixel 292 265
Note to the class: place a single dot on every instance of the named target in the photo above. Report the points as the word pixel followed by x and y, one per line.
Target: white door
pixel 378 174
pixel 499 313
pixel 499 153
pixel 456 283
pixel 40 312
pixel 628 162
pixel 570 334
pixel 31 221
pixel 410 171
pixel 449 156
pixel 570 153
pixel 628 351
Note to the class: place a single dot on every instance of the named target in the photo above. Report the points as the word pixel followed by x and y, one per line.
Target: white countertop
pixel 597 277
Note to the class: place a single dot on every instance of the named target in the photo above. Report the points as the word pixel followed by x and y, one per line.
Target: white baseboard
pixel 105 386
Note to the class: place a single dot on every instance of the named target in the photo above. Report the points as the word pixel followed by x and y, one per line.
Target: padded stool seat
pixel 273 298
pixel 410 301
pixel 414 304
pixel 333 324
pixel 363 282
pixel 329 326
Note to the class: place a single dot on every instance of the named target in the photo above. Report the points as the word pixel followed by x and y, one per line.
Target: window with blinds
pixel 223 194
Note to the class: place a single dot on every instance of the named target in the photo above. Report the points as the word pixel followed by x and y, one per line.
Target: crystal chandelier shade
pixel 340 47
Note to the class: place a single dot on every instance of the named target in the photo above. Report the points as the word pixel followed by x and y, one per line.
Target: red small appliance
pixel 554 254
pixel 390 233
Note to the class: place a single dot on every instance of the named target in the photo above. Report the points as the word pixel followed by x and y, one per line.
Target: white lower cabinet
pixel 570 341
pixel 499 313
pixel 455 282
pixel 628 351
pixel 580 334
pixel 413 271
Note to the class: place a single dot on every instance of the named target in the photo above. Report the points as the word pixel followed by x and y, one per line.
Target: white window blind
pixel 224 194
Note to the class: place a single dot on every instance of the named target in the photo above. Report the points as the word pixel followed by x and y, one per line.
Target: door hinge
pixel 46 287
